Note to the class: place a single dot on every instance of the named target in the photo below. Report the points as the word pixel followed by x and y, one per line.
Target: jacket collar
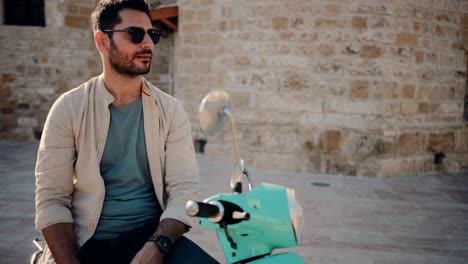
pixel 108 98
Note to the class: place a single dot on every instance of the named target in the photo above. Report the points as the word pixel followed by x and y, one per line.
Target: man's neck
pixel 124 89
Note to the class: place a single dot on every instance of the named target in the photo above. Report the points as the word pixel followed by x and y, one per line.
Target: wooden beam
pixel 164 12
pixel 169 24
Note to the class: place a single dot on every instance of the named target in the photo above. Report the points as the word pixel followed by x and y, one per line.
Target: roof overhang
pixel 166 15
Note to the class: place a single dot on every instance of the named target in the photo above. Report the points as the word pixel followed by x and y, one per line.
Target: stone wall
pixel 345 87
pixel 372 87
pixel 40 63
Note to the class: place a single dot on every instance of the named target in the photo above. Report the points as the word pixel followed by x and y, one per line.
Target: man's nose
pixel 147 42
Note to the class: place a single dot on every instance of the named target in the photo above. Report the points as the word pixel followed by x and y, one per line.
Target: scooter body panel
pixel 269 226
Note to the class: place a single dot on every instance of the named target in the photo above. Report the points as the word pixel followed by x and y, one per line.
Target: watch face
pixel 164 243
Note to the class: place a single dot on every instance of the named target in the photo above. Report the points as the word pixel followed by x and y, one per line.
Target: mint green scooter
pixel 249 225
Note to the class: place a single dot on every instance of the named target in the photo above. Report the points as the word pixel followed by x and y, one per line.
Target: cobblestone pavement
pixel 413 219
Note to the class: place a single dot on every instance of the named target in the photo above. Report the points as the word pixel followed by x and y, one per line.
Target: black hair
pixel 106 13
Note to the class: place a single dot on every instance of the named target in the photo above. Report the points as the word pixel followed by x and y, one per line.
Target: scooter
pixel 252 224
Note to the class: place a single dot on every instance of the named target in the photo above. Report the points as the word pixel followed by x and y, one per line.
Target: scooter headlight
pixel 296 213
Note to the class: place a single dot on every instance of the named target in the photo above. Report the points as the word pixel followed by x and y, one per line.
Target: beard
pixel 124 64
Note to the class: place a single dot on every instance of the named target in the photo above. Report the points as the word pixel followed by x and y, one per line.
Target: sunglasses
pixel 138 34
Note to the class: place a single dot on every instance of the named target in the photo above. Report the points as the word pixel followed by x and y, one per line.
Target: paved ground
pixel 417 219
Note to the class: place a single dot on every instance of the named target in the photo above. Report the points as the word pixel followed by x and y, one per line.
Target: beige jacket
pixel 69 187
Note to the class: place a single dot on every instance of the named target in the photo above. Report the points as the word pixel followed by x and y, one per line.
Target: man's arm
pixel 54 184
pixel 62 243
pixel 150 253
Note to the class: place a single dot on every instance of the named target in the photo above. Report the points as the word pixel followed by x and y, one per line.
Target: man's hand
pixel 150 253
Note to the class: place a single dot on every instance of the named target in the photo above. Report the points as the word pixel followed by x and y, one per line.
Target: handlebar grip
pixel 212 210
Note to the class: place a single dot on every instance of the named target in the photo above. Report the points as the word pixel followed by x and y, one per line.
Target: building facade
pixel 353 87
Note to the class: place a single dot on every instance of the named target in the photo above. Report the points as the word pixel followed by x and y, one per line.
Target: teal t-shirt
pixel 130 200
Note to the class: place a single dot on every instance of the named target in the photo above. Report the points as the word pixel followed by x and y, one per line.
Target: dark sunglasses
pixel 138 34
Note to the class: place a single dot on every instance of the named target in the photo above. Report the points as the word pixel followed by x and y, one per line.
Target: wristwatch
pixel 163 242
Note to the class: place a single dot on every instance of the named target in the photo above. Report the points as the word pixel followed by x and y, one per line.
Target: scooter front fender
pixel 290 258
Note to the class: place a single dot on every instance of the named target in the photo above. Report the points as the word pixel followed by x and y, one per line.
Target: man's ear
pixel 101 40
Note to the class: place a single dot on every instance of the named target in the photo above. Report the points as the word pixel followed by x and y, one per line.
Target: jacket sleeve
pixel 181 171
pixel 54 167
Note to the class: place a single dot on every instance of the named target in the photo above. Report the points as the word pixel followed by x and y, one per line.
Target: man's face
pixel 126 57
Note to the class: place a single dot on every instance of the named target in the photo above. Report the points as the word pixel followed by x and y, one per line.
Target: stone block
pixel 206 2
pixel 409 108
pixel 338 165
pixel 409 144
pixel 76 21
pixel 27 121
pixel 385 90
pixel 332 9
pixel 6 106
pixel 192 28
pixel 330 141
pixel 406 166
pixel 326 50
pixel 288 100
pixel 86 11
pixel 298 23
pixel 406 39
pixel 277 161
pixel 241 99
pixel 286 35
pixel 308 37
pixel 256 79
pixel 226 12
pixel 186 15
pixel 272 138
pixel 463 8
pixel 452 5
pixel 205 14
pixel 360 146
pixel 364 107
pixel 423 108
pixel 8 120
pixel 8 78
pixel 72 9
pixel 464 22
pixel 371 51
pixel 408 91
pixel 359 23
pixel 359 89
pixel 92 63
pixel 211 39
pixel 440 5
pixel 329 67
pixel 441 142
pixel 419 57
pixel 368 68
pixel 462 141
pixel 328 22
pixel 279 23
pixel 5 91
pixel 295 81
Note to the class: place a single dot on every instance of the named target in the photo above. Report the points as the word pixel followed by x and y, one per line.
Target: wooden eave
pixel 163 14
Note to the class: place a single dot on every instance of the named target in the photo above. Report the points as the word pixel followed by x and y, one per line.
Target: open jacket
pixel 69 186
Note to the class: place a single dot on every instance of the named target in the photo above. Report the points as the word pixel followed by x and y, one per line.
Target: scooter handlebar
pixel 212 210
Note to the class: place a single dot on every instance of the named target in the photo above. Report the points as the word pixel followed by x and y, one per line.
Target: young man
pixel 116 162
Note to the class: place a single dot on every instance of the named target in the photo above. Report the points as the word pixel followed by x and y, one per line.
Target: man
pixel 116 162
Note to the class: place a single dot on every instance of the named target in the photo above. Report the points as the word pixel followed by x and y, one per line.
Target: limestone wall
pixel 40 63
pixel 356 87
pixel 343 87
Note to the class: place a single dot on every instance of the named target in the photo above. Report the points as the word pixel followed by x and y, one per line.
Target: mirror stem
pixel 228 112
